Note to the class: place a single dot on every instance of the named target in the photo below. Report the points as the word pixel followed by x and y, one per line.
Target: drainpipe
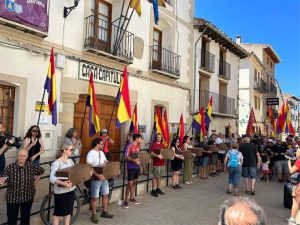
pixel 195 56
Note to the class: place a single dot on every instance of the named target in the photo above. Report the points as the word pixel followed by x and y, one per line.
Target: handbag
pixel 295 178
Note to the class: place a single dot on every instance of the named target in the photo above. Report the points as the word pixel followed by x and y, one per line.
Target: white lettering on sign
pixel 102 74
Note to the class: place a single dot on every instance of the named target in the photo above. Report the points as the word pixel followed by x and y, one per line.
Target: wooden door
pixel 157 49
pixel 104 107
pixel 7 99
pixel 102 25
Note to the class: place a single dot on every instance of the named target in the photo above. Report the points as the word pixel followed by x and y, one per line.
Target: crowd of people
pixel 252 158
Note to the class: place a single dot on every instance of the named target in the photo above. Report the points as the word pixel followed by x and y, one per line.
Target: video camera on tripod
pixel 6 137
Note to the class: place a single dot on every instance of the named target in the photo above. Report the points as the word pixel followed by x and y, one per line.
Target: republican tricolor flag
pixel 123 101
pixel 94 125
pixel 50 86
pixel 134 126
pixel 180 131
pixel 208 113
pixel 166 130
pixel 136 5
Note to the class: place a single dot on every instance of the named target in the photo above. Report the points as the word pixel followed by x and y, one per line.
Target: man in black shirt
pixel 250 153
pixel 214 157
pixel 281 165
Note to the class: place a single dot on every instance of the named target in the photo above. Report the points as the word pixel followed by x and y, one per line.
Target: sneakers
pixel 175 187
pixel 133 201
pixel 253 192
pixel 125 204
pixel 158 191
pixel 291 221
pixel 94 218
pixel 154 193
pixel 107 215
pixel 178 186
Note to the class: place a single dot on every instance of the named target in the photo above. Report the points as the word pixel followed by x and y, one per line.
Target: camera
pixel 17 143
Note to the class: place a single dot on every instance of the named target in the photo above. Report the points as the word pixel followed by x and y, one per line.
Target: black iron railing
pixel 224 69
pixel 108 38
pixel 207 61
pixel 165 61
pixel 221 104
pixel 260 85
pixel 273 89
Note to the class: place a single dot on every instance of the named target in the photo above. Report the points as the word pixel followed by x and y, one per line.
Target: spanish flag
pixel 94 126
pixel 208 113
pixel 50 86
pixel 134 126
pixel 136 4
pixel 180 131
pixel 166 129
pixel 123 101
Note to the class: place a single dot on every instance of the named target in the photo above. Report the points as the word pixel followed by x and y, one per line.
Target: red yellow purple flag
pixel 50 86
pixel 134 126
pixel 136 4
pixel 123 101
pixel 166 129
pixel 94 125
pixel 251 122
pixel 180 131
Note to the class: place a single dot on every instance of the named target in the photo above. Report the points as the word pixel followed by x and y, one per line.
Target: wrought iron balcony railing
pixel 260 85
pixel 207 61
pixel 108 39
pixel 224 69
pixel 164 61
pixel 221 104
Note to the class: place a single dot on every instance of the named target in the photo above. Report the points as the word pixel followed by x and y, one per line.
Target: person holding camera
pixel 295 171
pixel 99 184
pixel 33 143
pixel 63 191
pixel 4 146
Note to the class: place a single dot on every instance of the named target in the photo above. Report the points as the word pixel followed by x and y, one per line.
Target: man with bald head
pixel 241 211
pixel 251 160
pixel 20 178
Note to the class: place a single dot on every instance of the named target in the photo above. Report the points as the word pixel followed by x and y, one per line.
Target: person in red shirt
pixel 296 188
pixel 158 165
pixel 106 140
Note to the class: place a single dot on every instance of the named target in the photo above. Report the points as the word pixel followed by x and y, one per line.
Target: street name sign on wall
pixel 102 74
pixel 272 101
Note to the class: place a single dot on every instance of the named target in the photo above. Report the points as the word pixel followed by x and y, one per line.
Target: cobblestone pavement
pixel 197 203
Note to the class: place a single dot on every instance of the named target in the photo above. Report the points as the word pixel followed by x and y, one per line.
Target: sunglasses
pixel 34 130
pixel 70 149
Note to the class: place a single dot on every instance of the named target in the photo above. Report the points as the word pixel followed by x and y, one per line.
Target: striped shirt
pixel 20 182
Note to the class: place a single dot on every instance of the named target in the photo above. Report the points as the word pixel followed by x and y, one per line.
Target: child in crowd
pixel 265 171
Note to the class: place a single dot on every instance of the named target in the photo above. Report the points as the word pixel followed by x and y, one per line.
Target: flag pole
pixel 82 122
pixel 41 107
pixel 188 130
pixel 112 112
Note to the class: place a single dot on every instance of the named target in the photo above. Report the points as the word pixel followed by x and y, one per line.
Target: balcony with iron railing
pixel 260 85
pixel 273 89
pixel 207 62
pixel 224 69
pixel 221 104
pixel 164 62
pixel 108 39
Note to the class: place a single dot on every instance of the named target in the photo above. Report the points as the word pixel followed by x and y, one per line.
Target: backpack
pixel 233 159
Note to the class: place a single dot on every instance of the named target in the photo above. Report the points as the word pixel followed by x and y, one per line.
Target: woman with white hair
pixel 71 138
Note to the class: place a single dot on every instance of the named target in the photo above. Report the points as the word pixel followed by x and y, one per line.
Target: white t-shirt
pixel 218 140
pixel 265 166
pixel 95 157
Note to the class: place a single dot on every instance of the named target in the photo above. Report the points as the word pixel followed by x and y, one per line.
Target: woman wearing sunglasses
pixel 33 143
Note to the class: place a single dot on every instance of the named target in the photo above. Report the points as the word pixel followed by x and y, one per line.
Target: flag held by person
pixel 208 113
pixel 251 122
pixel 134 126
pixel 272 120
pixel 281 120
pixel 166 129
pixel 136 5
pixel 123 101
pixel 180 131
pixel 50 86
pixel 94 125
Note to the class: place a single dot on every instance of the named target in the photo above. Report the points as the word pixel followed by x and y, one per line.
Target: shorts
pixel 249 172
pixel 203 161
pixel 63 203
pixel 99 187
pixel 265 172
pixel 158 171
pixel 214 158
pixel 221 157
pixel 282 166
pixel 133 174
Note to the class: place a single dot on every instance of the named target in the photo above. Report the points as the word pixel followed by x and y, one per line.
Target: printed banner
pixel 31 13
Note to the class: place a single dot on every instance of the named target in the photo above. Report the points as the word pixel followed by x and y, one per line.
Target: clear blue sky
pixel 274 22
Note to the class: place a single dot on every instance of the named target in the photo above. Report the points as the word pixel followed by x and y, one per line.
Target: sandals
pixel 228 192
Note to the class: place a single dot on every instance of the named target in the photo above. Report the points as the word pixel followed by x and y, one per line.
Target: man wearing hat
pixel 106 140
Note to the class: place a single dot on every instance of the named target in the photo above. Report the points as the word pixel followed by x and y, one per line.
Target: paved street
pixel 194 204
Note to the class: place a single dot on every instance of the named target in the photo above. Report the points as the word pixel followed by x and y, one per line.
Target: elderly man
pixel 280 149
pixel 20 177
pixel 241 211
pixel 250 154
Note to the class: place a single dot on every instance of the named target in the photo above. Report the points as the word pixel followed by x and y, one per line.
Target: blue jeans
pixel 99 187
pixel 234 175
